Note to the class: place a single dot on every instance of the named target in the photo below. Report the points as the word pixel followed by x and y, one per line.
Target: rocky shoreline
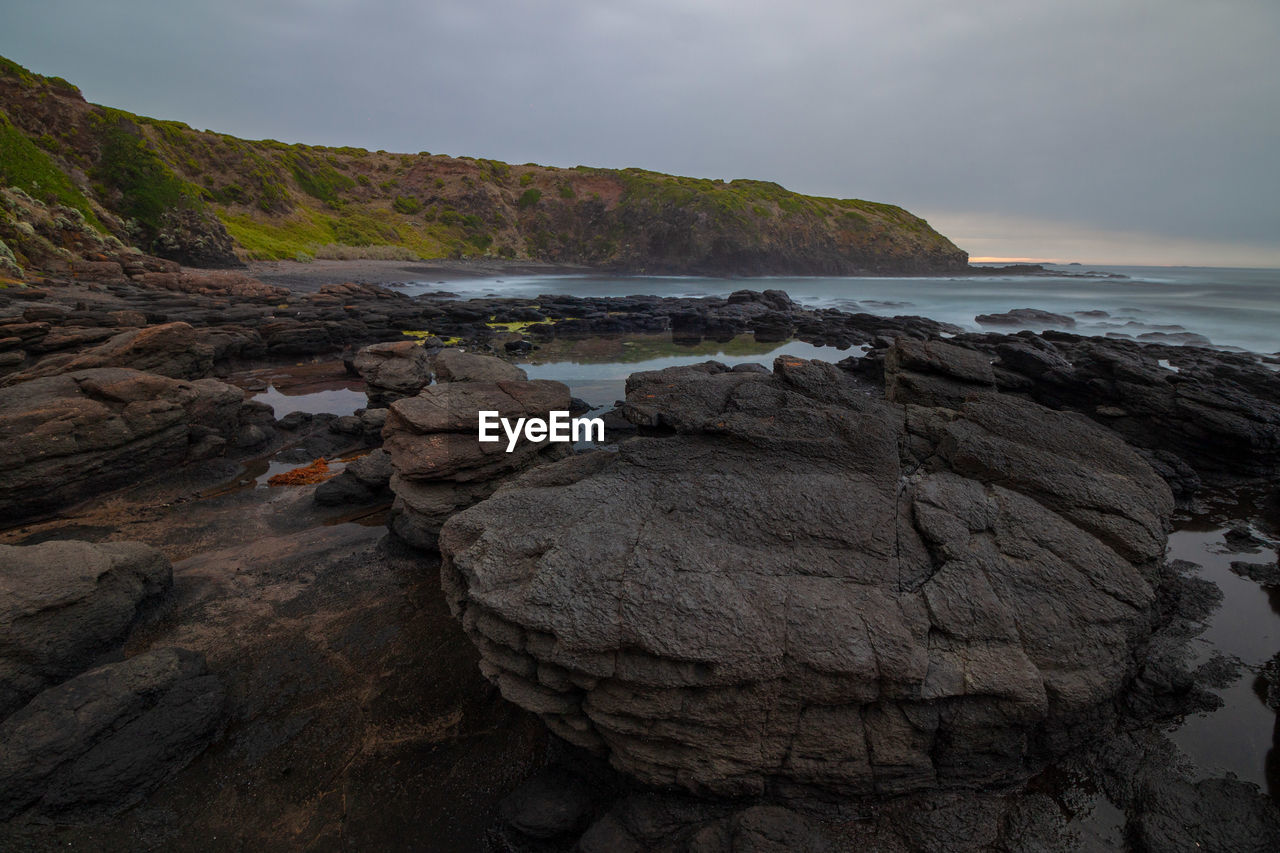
pixel 807 606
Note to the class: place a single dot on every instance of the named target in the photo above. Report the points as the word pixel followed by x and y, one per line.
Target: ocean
pixel 1230 308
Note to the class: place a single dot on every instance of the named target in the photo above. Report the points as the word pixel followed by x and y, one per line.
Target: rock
pixel 934 373
pixel 64 603
pixel 346 425
pixel 393 371
pixel 810 589
pixel 1241 539
pixel 195 239
pixel 373 469
pixel 1263 574
pixel 1212 815
pixel 649 822
pixel 364 480
pixel 777 300
pixel 550 804
pixel 107 737
pixel 1027 318
pixel 1270 683
pixel 250 436
pixel 77 434
pixel 439 463
pixel 229 285
pixel 294 421
pixel 1218 416
pixel 454 365
pixel 172 349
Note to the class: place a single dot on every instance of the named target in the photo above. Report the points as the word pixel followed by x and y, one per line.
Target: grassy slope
pixel 300 201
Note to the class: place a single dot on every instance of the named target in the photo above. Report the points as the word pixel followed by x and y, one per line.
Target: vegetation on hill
pixel 123 172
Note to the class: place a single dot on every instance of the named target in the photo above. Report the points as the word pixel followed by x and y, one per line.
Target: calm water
pixel 1231 307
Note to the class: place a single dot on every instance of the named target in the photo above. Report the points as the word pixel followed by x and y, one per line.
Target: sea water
pixel 1232 308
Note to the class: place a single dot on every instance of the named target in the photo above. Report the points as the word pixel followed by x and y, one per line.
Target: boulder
pixel 1027 318
pixel 392 371
pixel 64 603
pixel 454 365
pixel 71 436
pixel 807 588
pixel 1217 414
pixel 104 739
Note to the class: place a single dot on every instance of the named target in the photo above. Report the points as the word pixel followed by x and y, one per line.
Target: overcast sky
pixel 1144 131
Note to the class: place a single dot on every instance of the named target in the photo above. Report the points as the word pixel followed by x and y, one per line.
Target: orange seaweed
pixel 317 472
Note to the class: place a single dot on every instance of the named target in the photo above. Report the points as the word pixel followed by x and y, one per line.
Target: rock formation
pixel 392 371
pixel 75 434
pixel 1195 414
pixel 439 464
pixel 798 586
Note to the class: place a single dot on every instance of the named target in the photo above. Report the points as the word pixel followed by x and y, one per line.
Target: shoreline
pixel 308 276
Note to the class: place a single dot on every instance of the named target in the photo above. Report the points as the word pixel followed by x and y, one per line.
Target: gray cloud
pixel 1144 116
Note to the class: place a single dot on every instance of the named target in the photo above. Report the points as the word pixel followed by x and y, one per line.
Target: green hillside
pixel 129 175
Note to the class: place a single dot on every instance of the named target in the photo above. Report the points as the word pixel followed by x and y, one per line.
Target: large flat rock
pixel 807 587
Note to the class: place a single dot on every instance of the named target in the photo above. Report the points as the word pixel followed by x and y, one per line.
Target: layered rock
pixel 170 349
pixel 804 587
pixel 76 434
pixel 392 371
pixel 439 464
pixel 64 603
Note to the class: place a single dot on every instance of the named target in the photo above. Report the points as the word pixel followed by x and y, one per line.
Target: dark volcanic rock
pixel 64 603
pixel 808 588
pixel 76 434
pixel 1027 318
pixel 933 373
pixel 1264 574
pixel 104 739
pixel 1213 815
pixel 1216 418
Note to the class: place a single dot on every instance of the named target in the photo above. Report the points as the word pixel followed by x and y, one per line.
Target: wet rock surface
pixel 809 589
pixel 1026 317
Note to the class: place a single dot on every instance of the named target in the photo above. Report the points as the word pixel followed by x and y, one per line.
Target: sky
pixel 1099 131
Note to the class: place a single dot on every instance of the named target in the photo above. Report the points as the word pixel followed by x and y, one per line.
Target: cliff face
pixel 187 194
